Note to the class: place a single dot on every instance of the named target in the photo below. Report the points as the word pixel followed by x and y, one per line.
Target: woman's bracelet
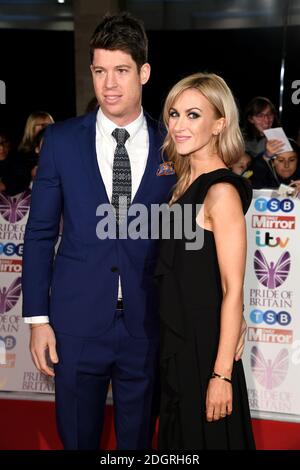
pixel 214 375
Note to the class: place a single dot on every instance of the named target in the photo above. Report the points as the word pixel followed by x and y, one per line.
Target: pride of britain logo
pixel 9 296
pixel 272 274
pixel 14 208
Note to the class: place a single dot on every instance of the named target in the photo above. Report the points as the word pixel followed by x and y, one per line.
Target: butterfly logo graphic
pixel 269 373
pixel 14 208
pixel 9 297
pixel 272 275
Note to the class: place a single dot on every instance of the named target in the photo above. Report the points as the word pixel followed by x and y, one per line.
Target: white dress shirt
pixel 137 146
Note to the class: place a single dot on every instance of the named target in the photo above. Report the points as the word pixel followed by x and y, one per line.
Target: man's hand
pixel 241 344
pixel 42 344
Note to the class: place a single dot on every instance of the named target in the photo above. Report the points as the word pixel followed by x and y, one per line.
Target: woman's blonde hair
pixel 228 144
pixel 27 141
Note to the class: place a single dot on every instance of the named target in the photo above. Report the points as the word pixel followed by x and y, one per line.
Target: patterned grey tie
pixel 121 188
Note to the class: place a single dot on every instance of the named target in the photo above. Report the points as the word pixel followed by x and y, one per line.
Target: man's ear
pixel 92 70
pixel 145 73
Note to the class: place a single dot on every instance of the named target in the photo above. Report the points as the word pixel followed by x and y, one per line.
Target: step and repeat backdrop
pixel 17 372
pixel 271 307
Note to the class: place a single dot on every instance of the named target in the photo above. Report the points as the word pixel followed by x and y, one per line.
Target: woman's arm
pixel 223 215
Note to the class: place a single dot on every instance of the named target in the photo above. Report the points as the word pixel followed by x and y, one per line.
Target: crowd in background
pixel 18 164
pixel 264 162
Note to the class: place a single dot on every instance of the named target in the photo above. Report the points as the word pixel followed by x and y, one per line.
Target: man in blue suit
pixel 94 307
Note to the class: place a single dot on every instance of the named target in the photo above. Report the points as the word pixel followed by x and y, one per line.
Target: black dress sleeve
pixel 242 185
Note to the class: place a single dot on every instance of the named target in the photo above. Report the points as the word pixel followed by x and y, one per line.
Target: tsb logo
pixel 10 249
pixel 9 341
pixel 273 205
pixel 270 317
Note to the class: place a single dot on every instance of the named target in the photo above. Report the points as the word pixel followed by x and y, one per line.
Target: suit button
pixel 114 269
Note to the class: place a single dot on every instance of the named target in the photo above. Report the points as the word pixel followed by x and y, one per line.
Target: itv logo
pixel 265 239
pixel 2 92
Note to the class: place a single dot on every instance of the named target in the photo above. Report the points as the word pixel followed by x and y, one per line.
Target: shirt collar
pixel 107 126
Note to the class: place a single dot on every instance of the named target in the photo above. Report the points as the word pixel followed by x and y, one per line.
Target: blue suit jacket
pixel 78 290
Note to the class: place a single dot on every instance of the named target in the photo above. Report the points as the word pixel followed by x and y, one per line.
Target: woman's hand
pixel 296 185
pixel 273 146
pixel 218 399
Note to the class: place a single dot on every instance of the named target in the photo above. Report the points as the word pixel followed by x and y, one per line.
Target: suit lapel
pixel 87 147
pixel 152 164
pixel 88 154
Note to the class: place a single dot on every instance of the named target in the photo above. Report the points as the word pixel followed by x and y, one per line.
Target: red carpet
pixel 30 425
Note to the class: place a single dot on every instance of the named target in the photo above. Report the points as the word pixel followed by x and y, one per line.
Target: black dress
pixel 190 302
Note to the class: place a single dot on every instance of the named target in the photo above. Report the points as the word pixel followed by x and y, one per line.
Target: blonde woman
pixel 36 121
pixel 204 401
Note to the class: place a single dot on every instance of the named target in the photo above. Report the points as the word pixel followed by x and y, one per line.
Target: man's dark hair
pixel 121 32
